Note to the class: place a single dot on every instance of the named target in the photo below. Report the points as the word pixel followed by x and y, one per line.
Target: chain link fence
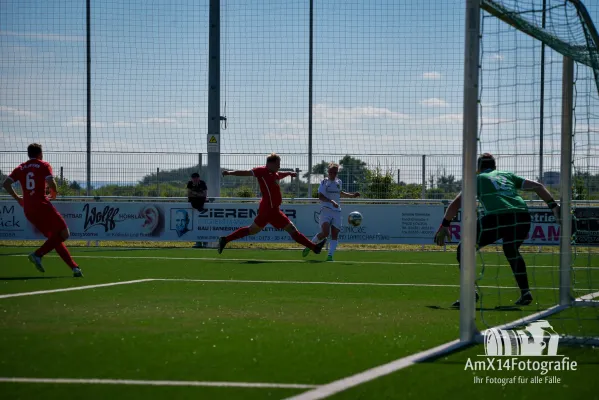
pixel 380 177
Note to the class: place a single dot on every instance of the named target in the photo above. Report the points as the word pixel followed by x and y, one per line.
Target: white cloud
pixel 450 118
pixel 284 136
pixel 431 75
pixel 289 124
pixel 82 122
pixel 123 124
pixel 343 113
pixel 459 118
pixel 185 113
pixel 44 36
pixel 492 120
pixel 159 121
pixel 18 112
pixel 496 57
pixel 434 102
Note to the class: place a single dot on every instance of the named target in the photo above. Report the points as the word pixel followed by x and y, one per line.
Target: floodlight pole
pixel 88 57
pixel 565 285
pixel 470 130
pixel 213 136
pixel 310 95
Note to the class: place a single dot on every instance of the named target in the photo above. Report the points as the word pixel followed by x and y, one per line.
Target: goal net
pixel 522 104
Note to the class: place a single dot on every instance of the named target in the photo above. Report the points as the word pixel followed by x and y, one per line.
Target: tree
pixel 75 186
pixel 319 169
pixel 173 175
pixel 64 188
pixel 448 183
pixel 586 186
pixel 353 172
pixel 2 179
pixel 408 191
pixel 379 185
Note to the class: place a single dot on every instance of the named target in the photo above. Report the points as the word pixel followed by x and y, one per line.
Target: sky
pixel 387 86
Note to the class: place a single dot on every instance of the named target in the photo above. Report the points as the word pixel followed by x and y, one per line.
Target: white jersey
pixel 332 191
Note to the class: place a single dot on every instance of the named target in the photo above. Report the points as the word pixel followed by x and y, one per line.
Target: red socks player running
pixel 63 252
pixel 238 234
pixel 297 236
pixel 304 241
pixel 56 242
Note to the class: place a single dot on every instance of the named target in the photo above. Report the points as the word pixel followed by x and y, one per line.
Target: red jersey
pixel 269 186
pixel 32 176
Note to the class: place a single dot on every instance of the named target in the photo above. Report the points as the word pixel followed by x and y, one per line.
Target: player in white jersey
pixel 330 194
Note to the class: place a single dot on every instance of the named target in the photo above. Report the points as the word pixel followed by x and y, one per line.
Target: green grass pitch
pixel 250 316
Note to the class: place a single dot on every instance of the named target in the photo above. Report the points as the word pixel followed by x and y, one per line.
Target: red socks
pixel 238 234
pixel 56 242
pixel 301 239
pixel 63 252
pixel 49 245
pixel 297 236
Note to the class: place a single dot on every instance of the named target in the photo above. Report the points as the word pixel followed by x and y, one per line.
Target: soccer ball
pixel 354 218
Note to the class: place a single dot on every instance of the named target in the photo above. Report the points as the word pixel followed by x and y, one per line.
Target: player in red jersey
pixel 33 176
pixel 269 211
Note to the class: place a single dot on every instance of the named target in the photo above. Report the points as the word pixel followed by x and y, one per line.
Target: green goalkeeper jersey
pixel 498 192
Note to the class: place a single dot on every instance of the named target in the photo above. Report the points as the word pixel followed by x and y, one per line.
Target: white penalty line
pixel 344 384
pixel 253 385
pixel 268 282
pixel 291 261
pixel 340 283
pixel 69 289
pixel 341 385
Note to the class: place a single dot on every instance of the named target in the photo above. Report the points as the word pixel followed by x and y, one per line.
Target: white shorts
pixel 330 216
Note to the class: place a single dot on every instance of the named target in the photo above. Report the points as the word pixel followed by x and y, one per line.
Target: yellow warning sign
pixel 213 140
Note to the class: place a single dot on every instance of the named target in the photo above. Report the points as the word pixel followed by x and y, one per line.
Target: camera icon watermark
pixel 517 350
pixel 537 339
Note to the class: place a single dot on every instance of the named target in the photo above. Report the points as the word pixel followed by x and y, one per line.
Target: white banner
pixel 90 221
pixel 382 224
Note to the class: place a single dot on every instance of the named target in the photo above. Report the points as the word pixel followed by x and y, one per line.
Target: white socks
pixel 315 239
pixel 333 247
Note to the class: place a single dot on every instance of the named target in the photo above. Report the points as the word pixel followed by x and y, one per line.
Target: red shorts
pixel 273 216
pixel 46 219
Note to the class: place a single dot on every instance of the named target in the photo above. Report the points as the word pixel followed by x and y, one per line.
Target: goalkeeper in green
pixel 505 216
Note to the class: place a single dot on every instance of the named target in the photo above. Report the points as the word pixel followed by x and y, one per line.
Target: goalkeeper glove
pixel 442 233
pixel 556 210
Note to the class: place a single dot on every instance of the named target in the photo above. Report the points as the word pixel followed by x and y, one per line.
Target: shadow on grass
pixel 79 250
pixel 277 262
pixel 26 278
pixel 498 308
pixel 110 249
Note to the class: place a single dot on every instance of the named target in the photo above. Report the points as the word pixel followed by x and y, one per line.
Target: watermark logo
pixel 537 339
pixel 532 350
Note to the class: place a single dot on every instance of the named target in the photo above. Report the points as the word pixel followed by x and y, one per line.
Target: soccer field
pixel 253 324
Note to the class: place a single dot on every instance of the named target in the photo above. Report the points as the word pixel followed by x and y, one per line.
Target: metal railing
pixel 409 176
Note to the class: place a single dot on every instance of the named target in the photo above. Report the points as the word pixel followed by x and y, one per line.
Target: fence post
pixel 157 182
pixel 398 174
pixel 89 98
pixel 61 176
pixel 200 163
pixel 297 183
pixel 423 176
